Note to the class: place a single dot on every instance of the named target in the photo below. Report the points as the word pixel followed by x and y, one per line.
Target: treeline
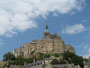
pixel 67 57
pixel 12 60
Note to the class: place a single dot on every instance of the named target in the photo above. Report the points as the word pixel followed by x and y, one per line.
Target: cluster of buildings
pixel 47 62
pixel 50 43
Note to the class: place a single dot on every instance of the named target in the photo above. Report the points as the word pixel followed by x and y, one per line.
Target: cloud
pixel 19 15
pixel 74 29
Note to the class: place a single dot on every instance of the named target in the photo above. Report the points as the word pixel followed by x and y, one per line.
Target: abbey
pixel 50 43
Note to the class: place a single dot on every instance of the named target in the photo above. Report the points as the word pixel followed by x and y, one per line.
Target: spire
pixel 46 30
pixel 56 33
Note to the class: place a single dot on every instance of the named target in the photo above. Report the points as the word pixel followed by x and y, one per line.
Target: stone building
pixel 50 43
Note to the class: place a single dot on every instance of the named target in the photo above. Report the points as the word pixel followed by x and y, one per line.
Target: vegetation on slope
pixel 68 57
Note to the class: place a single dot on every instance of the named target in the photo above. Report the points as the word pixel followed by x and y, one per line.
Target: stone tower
pixel 46 30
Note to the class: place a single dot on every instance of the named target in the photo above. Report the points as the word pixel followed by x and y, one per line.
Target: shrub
pixel 62 61
pixel 8 56
pixel 72 58
pixel 55 61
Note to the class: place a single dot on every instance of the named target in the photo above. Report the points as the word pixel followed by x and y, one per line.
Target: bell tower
pixel 46 30
pixel 46 33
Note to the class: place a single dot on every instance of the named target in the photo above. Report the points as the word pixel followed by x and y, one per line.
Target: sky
pixel 22 21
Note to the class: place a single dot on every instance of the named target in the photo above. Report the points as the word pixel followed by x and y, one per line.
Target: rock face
pixel 50 43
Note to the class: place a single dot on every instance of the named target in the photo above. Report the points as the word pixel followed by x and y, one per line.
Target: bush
pixel 8 56
pixel 56 55
pixel 72 58
pixel 19 61
pixel 86 60
pixel 77 60
pixel 46 55
pixel 62 61
pixel 30 60
pixel 39 56
pixel 55 61
pixel 32 52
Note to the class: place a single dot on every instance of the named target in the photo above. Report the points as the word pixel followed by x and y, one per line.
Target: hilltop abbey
pixel 50 43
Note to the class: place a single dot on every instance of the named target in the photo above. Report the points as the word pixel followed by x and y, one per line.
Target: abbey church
pixel 50 43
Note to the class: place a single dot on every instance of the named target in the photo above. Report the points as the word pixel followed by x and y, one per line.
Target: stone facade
pixel 50 43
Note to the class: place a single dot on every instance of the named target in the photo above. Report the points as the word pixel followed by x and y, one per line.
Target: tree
pixel 32 52
pixel 56 55
pixel 39 56
pixel 19 61
pixel 8 56
pixel 46 55
pixel 72 58
pixel 86 60
pixel 55 61
pixel 68 56
pixel 78 60
pixel 62 61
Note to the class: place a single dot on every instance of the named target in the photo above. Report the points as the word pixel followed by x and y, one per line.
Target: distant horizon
pixel 24 21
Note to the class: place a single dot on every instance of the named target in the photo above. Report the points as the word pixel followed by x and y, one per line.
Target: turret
pixel 46 33
pixel 46 30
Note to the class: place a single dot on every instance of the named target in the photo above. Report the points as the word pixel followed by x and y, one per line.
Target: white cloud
pixel 77 28
pixel 19 15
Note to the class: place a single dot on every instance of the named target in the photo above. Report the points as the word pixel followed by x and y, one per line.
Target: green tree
pixel 56 55
pixel 39 56
pixel 46 55
pixel 8 56
pixel 68 56
pixel 62 61
pixel 55 61
pixel 78 60
pixel 19 61
pixel 86 60
pixel 72 58
pixel 30 60
pixel 32 52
